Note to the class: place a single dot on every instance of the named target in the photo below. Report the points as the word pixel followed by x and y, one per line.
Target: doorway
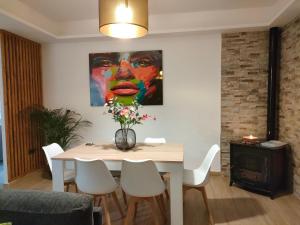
pixel 3 165
pixel 1 151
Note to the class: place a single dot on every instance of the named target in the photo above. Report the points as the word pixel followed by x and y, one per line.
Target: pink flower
pixel 124 112
pixel 144 117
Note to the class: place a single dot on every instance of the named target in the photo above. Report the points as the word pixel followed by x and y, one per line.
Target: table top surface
pixel 109 152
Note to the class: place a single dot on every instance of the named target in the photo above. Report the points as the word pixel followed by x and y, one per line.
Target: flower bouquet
pixel 127 116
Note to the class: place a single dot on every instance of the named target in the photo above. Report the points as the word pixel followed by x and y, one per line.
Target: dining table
pixel 167 157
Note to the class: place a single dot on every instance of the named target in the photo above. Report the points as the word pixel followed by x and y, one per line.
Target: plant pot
pixel 125 139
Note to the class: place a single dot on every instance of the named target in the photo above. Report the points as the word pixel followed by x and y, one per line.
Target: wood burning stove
pixel 253 166
pixel 260 169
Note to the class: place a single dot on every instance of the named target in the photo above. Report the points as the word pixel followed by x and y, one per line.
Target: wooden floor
pixel 230 205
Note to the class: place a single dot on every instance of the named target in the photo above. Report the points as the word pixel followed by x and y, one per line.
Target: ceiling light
pixel 123 18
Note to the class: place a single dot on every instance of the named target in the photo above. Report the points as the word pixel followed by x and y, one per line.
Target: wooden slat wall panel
pixel 22 82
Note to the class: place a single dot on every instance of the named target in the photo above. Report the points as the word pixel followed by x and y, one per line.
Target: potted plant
pixel 127 116
pixel 59 125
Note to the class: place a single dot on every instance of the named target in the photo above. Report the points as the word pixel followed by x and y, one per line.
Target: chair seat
pixel 147 192
pixel 195 178
pixel 69 175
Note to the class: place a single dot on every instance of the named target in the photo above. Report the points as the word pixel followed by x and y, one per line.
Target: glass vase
pixel 125 139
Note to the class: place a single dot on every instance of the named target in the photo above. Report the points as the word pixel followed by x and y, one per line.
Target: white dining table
pixel 167 157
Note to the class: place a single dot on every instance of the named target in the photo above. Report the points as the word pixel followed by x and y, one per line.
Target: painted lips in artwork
pixel 125 89
pixel 127 76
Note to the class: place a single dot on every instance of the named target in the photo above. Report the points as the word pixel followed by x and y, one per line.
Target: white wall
pixel 192 89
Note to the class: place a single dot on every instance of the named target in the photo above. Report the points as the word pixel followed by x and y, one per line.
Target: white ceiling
pixel 68 10
pixel 56 20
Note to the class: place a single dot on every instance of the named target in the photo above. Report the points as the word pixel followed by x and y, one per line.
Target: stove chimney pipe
pixel 273 83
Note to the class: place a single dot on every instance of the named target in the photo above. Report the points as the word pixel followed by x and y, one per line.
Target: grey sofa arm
pixel 47 208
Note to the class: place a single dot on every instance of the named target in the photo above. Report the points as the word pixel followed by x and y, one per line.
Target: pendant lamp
pixel 123 18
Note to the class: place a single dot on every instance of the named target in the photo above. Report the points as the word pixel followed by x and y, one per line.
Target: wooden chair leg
pixel 124 197
pixel 187 188
pixel 136 206
pixel 162 208
pixel 167 194
pixel 67 187
pixel 161 198
pixel 97 200
pixel 211 219
pixel 130 211
pixel 106 210
pixel 184 190
pixel 94 200
pixel 166 191
pixel 116 200
pixel 155 211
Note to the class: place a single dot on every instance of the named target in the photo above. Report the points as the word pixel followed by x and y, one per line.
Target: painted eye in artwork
pixel 105 63
pixel 143 62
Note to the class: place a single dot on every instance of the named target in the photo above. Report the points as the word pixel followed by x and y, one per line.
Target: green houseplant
pixel 59 125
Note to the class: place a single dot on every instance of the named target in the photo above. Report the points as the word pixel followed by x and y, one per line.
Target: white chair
pixel 93 178
pixel 69 175
pixel 198 178
pixel 141 182
pixel 150 140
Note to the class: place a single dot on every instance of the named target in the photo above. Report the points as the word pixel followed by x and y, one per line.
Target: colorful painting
pixel 127 76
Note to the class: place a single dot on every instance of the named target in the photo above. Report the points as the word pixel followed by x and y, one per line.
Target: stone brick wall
pixel 289 122
pixel 244 88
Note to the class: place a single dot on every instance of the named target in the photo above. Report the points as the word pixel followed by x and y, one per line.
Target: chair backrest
pixel 141 178
pixel 149 140
pixel 93 177
pixel 200 175
pixel 51 151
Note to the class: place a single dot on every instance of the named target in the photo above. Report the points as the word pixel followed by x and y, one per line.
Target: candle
pixel 250 138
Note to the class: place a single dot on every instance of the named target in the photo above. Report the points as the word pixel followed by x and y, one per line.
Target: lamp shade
pixel 123 18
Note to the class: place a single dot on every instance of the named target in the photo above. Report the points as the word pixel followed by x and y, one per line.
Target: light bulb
pixel 123 14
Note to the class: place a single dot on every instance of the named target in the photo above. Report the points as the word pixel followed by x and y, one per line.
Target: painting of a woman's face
pixel 127 76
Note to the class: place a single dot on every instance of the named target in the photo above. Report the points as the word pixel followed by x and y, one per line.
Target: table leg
pixel 58 175
pixel 176 199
